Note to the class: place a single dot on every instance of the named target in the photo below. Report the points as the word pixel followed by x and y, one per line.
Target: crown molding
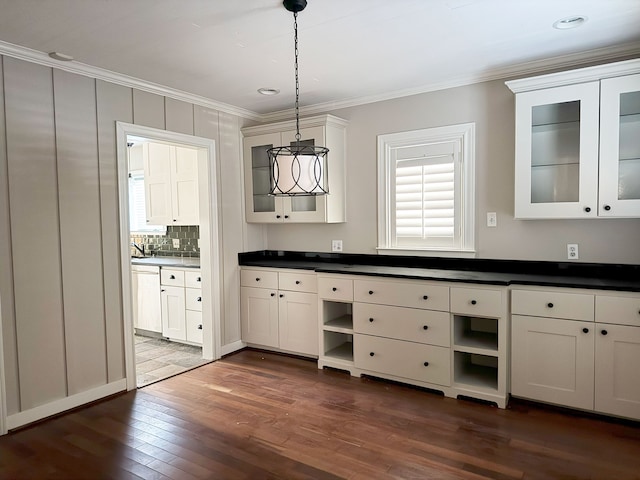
pixel 35 56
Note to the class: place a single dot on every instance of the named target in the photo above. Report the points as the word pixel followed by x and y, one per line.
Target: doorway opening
pixel 169 247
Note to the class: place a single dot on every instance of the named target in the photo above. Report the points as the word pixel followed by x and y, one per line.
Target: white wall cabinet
pixel 181 296
pixel 279 309
pixel 327 131
pixel 585 357
pixel 578 143
pixel 171 184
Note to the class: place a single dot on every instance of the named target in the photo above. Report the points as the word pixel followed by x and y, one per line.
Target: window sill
pixel 427 253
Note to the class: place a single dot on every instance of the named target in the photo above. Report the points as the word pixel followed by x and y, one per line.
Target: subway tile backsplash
pixel 162 245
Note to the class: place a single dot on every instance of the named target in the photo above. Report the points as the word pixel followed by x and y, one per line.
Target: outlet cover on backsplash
pixel 180 241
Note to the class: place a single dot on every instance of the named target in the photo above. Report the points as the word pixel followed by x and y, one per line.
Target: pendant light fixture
pixel 298 169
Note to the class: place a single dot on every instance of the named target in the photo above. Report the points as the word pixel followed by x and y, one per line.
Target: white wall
pixel 491 106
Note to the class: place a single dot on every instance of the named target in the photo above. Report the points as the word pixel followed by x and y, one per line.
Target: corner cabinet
pixel 578 143
pixel 260 207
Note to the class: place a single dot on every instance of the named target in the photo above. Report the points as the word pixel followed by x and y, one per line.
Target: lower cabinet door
pixel 298 329
pixel 173 313
pixel 259 316
pixel 194 326
pixel 425 363
pixel 618 370
pixel 552 360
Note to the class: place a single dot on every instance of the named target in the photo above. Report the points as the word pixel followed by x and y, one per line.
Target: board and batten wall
pixel 60 278
pixel 491 105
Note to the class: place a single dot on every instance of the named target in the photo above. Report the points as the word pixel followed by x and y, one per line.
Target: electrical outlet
pixel 492 219
pixel 175 242
pixel 572 251
pixel 336 245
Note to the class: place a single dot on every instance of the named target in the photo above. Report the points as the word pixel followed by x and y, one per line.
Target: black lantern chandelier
pixel 297 169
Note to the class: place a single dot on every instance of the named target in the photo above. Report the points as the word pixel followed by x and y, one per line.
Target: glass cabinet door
pixel 557 152
pixel 260 206
pixel 620 147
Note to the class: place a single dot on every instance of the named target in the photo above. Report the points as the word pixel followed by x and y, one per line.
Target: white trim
pixel 210 242
pixel 427 253
pixel 67 403
pixel 232 347
pixel 3 396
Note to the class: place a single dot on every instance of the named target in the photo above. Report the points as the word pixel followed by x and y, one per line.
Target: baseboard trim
pixel 232 347
pixel 58 406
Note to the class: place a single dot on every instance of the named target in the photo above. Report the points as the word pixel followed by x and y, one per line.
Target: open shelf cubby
pixel 478 371
pixel 473 334
pixel 338 346
pixel 337 317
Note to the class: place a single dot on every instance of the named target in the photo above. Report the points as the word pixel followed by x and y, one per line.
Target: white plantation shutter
pixel 137 212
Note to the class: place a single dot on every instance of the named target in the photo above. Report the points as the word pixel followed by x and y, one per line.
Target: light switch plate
pixel 175 242
pixel 492 219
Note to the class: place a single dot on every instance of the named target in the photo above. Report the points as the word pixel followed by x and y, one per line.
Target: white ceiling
pixel 351 51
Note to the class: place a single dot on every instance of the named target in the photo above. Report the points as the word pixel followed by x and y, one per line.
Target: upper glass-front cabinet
pixel 578 144
pixel 264 208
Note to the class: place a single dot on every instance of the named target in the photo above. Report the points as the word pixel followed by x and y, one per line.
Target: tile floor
pixel 157 359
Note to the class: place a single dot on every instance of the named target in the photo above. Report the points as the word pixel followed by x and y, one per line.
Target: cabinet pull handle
pixel 334 289
pixel 426 364
pixel 603 332
pixel 607 207
pixel 371 320
pixel 371 354
pixel 172 277
pixel 425 297
pixel 370 292
pixel 550 305
pixel 425 327
pixel 273 294
pixel 587 209
pixel 473 302
pixel 199 327
pixel 585 330
pixel 199 299
pixel 297 282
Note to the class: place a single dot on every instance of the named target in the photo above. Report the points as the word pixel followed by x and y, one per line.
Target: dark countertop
pixel 167 261
pixel 490 272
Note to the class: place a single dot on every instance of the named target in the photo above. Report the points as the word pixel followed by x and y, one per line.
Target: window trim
pixel 464 135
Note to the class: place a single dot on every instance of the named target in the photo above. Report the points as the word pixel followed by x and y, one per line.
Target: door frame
pixel 3 396
pixel 210 239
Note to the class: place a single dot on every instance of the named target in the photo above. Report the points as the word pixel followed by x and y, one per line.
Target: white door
pixel 184 186
pixel 552 360
pixel 617 374
pixel 298 329
pixel 259 316
pixel 157 183
pixel 173 313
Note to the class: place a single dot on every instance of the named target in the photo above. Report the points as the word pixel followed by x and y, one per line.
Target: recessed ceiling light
pixel 569 22
pixel 268 91
pixel 60 56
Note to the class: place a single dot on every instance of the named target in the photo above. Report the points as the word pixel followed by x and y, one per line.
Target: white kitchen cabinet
pixel 181 295
pixel 145 283
pixel 173 313
pixel 578 143
pixel 327 131
pixel 279 309
pixel 171 184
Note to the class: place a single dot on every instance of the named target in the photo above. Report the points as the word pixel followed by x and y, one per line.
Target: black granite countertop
pixel 167 261
pixel 479 271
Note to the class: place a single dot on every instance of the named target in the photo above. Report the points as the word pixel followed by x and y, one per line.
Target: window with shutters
pixel 137 213
pixel 426 191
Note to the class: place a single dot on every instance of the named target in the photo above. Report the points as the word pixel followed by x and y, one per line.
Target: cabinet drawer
pixel 193 279
pixel 335 288
pixel 194 326
pixel 259 278
pixel 174 278
pixel 619 310
pixel 572 306
pixel 193 299
pixel 298 282
pixel 425 363
pixel 477 301
pixel 423 326
pixel 408 294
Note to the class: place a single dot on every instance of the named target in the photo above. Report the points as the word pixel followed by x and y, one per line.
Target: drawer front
pixel 171 277
pixel 335 288
pixel 423 326
pixel 194 327
pixel 477 301
pixel 408 294
pixel 572 306
pixel 298 282
pixel 618 310
pixel 425 363
pixel 193 279
pixel 193 299
pixel 259 278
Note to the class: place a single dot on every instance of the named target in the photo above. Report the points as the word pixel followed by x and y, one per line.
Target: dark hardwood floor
pixel 256 415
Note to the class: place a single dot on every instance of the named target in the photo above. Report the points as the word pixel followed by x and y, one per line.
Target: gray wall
pixel 491 106
pixel 60 278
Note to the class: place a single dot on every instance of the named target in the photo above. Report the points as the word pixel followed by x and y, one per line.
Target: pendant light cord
pixel 295 30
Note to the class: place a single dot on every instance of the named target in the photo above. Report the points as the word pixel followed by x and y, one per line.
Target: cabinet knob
pixel 587 209
pixel 163 290
pixel 426 364
pixel 603 332
pixel 334 289
pixel 550 305
pixel 281 295
pixel 371 320
pixel 425 297
pixel 198 279
pixel 172 277
pixel 370 292
pixel 199 327
pixel 371 354
pixel 297 282
pixel 199 299
pixel 147 221
pixel 175 220
pixel 257 279
pixel 425 327
pixel 585 330
pixel 607 207
pixel 278 216
pixel 473 302
pixel 286 216
pixel 273 294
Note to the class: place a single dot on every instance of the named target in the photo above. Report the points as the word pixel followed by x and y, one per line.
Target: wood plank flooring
pixel 256 415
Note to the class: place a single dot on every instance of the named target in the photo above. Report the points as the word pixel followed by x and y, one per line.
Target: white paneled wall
pixel 60 278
